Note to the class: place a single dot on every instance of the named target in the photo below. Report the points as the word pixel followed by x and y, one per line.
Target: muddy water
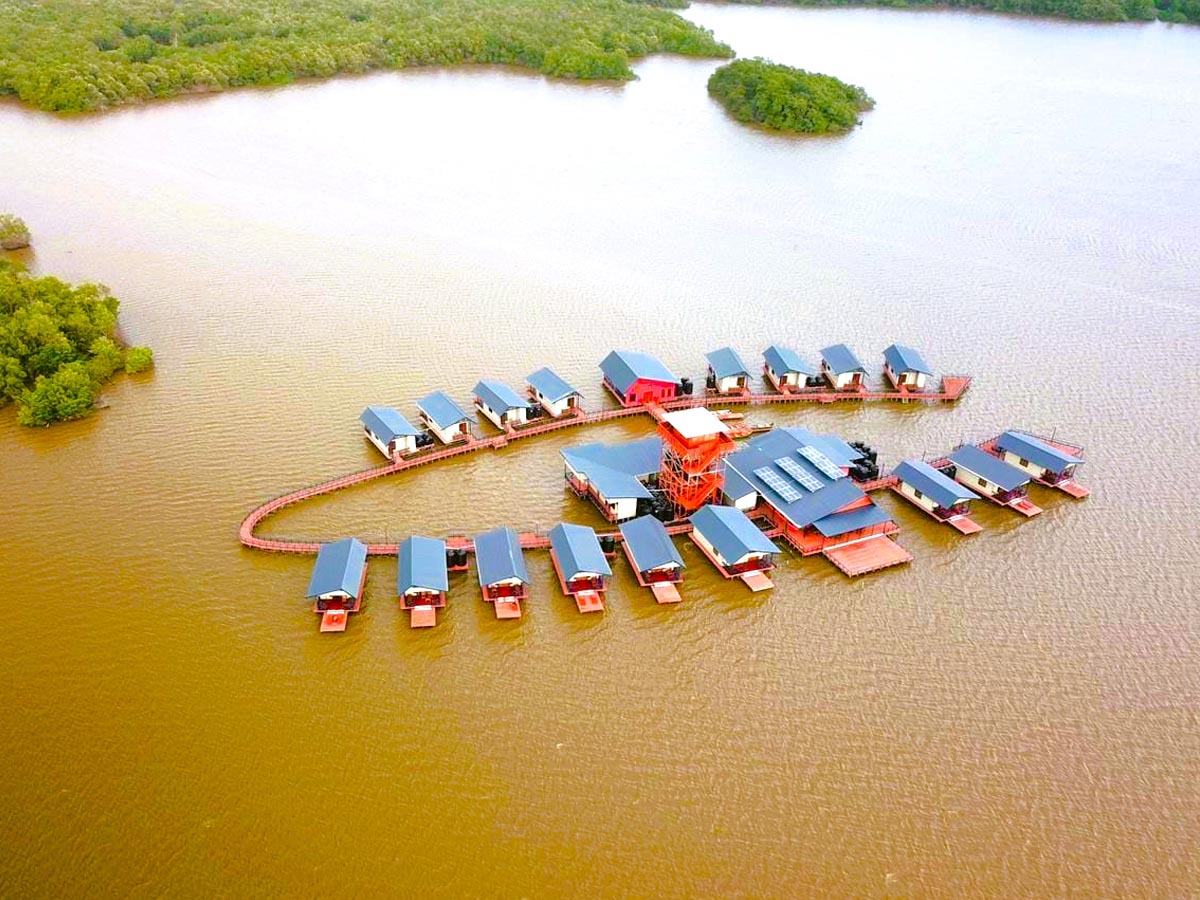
pixel 1013 715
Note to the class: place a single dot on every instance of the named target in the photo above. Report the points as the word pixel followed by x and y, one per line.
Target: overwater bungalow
pixel 785 369
pixel 734 544
pixel 444 418
pixel 842 368
pixel 942 498
pixel 391 433
pixel 635 378
pixel 338 578
pixel 1048 464
pixel 992 478
pixel 727 374
pixel 422 579
pixel 654 557
pixel 905 368
pixel 500 404
pixel 503 577
pixel 554 394
pixel 579 561
pixel 614 476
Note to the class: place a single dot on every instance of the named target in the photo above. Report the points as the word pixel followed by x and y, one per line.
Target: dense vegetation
pixel 71 55
pixel 57 346
pixel 13 233
pixel 1100 10
pixel 787 99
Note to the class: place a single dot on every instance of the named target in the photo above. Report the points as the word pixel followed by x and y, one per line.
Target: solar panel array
pixel 806 479
pixel 776 482
pixel 822 462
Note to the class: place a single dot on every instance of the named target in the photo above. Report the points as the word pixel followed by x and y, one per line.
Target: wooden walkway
pixel 952 388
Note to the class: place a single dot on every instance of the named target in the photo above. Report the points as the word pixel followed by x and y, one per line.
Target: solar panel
pixel 822 462
pixel 778 484
pixel 807 479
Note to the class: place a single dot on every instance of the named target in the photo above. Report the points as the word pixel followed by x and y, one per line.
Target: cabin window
pixel 982 482
pixel 918 494
pixel 1024 463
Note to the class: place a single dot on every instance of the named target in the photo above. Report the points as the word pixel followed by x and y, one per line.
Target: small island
pixel 58 346
pixel 787 99
pixel 13 233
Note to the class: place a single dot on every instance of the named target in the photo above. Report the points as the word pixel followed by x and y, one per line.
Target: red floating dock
pixel 665 592
pixel 334 620
pixel 870 555
pixel 1025 507
pixel 757 581
pixel 422 616
pixel 507 609
pixel 589 601
pixel 964 525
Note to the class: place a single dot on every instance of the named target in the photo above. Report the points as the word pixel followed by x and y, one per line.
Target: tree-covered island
pixel 13 232
pixel 787 99
pixel 58 346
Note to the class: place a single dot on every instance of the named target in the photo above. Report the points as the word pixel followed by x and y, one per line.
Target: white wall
pixel 379 445
pixel 555 409
pixel 971 480
pixel 1026 466
pixel 911 492
pixel 909 379
pixel 445 435
pixel 513 416
pixel 838 381
pixel 727 385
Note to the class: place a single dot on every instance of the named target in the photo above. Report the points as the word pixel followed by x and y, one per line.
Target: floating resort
pixel 738 492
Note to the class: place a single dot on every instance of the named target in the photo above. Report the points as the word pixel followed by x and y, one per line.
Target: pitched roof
pixel 636 458
pixel 807 505
pixel 498 557
pixel 422 565
pixel 906 359
pixel 623 367
pixel 725 363
pixel 442 410
pixel 730 532
pixel 841 360
pixel 782 360
pixel 499 396
pixel 578 550
pixel 1037 451
pixel 649 543
pixel 735 486
pixel 387 424
pixel 843 523
pixel 986 466
pixel 339 567
pixel 943 491
pixel 549 385
pixel 841 453
pixel 613 485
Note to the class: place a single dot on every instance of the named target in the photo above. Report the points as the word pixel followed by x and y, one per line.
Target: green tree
pixel 13 232
pixel 67 394
pixel 138 359
pixel 787 99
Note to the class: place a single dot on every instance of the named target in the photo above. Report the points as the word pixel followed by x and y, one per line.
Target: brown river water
pixel 1012 715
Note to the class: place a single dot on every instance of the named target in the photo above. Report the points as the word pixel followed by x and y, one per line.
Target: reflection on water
pixel 1011 715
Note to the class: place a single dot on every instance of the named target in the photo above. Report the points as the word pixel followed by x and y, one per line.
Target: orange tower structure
pixel 693 443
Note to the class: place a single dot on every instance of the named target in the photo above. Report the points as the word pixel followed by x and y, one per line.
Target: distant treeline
pixel 1096 10
pixel 787 99
pixel 74 55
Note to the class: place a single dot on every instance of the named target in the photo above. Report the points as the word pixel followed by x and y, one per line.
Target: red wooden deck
pixel 589 600
pixel 334 620
pixel 422 617
pixel 866 556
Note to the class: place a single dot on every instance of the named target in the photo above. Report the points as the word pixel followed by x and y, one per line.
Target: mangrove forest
pixel 58 346
pixel 1093 10
pixel 787 99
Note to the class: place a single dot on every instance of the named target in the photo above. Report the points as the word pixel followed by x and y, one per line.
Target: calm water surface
pixel 1013 715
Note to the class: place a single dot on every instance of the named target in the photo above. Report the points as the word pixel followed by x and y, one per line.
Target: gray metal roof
pixel 422 565
pixel 1037 451
pixel 578 551
pixel 339 567
pixel 998 472
pixel 783 360
pixel 442 410
pixel 649 544
pixel 843 523
pixel 906 359
pixel 841 360
pixel 616 469
pixel 550 385
pixel 623 367
pixel 945 492
pixel 730 532
pixel 499 396
pixel 387 424
pixel 498 557
pixel 725 363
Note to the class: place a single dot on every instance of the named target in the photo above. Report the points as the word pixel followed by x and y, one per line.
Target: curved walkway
pixel 952 388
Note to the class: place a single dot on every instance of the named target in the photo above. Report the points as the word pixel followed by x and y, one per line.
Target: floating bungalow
pixel 654 557
pixel 734 544
pixel 635 378
pixel 942 498
pixel 785 370
pixel 582 568
pixel 444 418
pixel 905 368
pixel 727 374
pixel 502 574
pixel 338 578
pixel 556 397
pixel 799 482
pixel 500 404
pixel 614 476
pixel 421 579
pixel 841 368
pixel 391 433
pixel 1049 465
pixel 992 478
